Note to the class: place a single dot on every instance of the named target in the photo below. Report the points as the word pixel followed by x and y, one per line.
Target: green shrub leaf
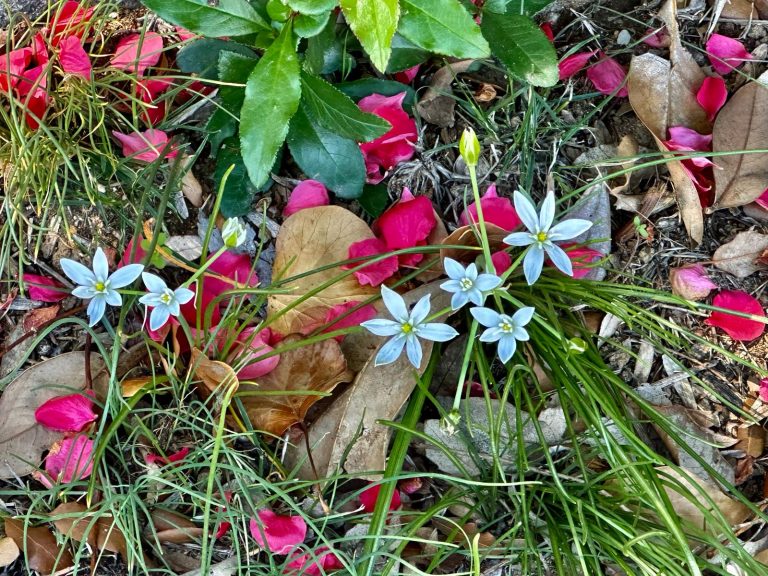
pixel 405 54
pixel 444 27
pixel 238 192
pixel 201 57
pixel 222 18
pixel 522 47
pixel 526 7
pixel 335 111
pixel 325 156
pixel 357 89
pixel 314 7
pixel 272 96
pixel 374 23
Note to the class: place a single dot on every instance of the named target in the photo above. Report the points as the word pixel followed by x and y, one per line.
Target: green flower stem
pixel 481 220
pixel 464 367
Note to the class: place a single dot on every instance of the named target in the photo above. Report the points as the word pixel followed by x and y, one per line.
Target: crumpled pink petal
pixel 691 282
pixel 698 169
pixel 355 318
pixel 546 27
pixel 657 38
pixel 67 461
pixel 36 288
pixel 39 48
pixel 257 347
pixel 737 327
pixel 70 20
pixel 712 95
pixel 573 64
pixel 762 201
pixel 236 267
pixel 33 81
pixel 73 58
pixel 410 485
pixel 175 458
pixel 277 534
pixel 496 210
pixel 12 66
pixel 407 76
pixel 148 90
pixel 502 261
pixel 184 34
pixel 726 54
pixel 306 194
pixel 136 54
pixel 406 224
pixel 312 564
pixel 138 256
pixel 608 76
pixel 145 146
pixel 397 145
pixel 224 525
pixel 764 390
pixel 369 496
pixel 71 413
pixel 373 274
pixel 582 258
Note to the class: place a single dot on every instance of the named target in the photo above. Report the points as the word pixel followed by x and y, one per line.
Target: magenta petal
pixel 738 328
pixel 658 38
pixel 12 66
pixel 764 390
pixel 582 258
pixel 136 54
pixel 682 138
pixel 608 76
pixel 573 64
pixel 691 282
pixel 763 199
pixel 311 564
pixel 496 210
pixel 36 288
pixel 236 267
pixel 68 461
pixel 355 318
pixel 373 274
pixel 73 58
pixel 712 95
pixel 726 53
pixel 145 146
pixel 407 222
pixel 158 460
pixel 70 413
pixel 502 261
pixel 307 194
pixel 277 534
pixel 546 27
pixel 257 347
pixel 397 145
pixel 369 496
pixel 407 76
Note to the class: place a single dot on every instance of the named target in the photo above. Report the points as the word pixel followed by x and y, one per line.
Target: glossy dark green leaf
pixel 374 200
pixel 272 96
pixel 220 126
pixel 216 19
pixel 238 192
pixel 201 57
pixel 327 157
pixel 335 111
pixel 234 69
pixel 313 6
pixel 374 23
pixel 309 25
pixel 442 26
pixel 324 51
pixel 522 47
pixel 523 7
pixel 405 54
pixel 358 89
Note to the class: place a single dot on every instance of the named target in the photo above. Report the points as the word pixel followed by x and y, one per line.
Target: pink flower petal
pixel 174 458
pixel 712 95
pixel 277 534
pixel 738 328
pixel 73 58
pixel 355 318
pixel 407 76
pixel 373 274
pixel 35 285
pixel 763 199
pixel 12 66
pixel 257 347
pixel 145 146
pixel 136 54
pixel 311 564
pixel 307 194
pixel 33 81
pixel 184 34
pixel 369 496
pixel 236 267
pixel 686 139
pixel 410 485
pixel 138 256
pixel 546 27
pixel 397 145
pixel 496 210
pixel 406 224
pixel 691 282
pixel 573 64
pixel 501 261
pixel 608 76
pixel 764 390
pixel 658 38
pixel 582 258
pixel 70 20
pixel 71 413
pixel 68 461
pixel 726 53
pixel 39 48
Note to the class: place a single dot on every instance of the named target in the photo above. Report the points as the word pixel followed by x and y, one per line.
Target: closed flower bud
pixel 233 233
pixel 469 147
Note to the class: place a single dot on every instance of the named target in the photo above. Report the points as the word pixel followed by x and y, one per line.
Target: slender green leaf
pixel 374 23
pixel 444 27
pixel 335 111
pixel 325 156
pixel 522 47
pixel 201 57
pixel 217 19
pixel 272 96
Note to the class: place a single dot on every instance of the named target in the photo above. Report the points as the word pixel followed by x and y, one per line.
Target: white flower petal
pixel 526 211
pixel 437 332
pixel 547 214
pixel 395 304
pixel 532 264
pixel 383 327
pixel 183 295
pixel 76 272
pixel 173 307
pixel 84 292
pixel 507 347
pixel 96 308
pixel 100 265
pixel 523 315
pixel 390 351
pixel 125 275
pixel 113 298
pixel 459 299
pixel 453 269
pixel 569 229
pixel 451 286
pixel 475 296
pixel 487 282
pixel 491 335
pixel 153 282
pixel 420 310
pixel 519 239
pixel 560 259
pixel 151 299
pixel 486 316
pixel 520 334
pixel 159 317
pixel 413 350
pixel 471 272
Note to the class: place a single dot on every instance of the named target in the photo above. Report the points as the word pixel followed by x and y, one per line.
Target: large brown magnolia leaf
pixel 38 544
pixel 22 439
pixel 75 521
pixel 308 240
pixel 742 124
pixel 282 398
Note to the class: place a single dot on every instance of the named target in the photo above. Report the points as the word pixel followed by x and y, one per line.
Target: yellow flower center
pixel 165 298
pixel 407 328
pixel 466 284
pixel 541 236
pixel 100 286
pixel 505 326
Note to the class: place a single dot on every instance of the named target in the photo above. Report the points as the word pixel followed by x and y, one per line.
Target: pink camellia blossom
pixel 397 145
pixel 608 77
pixel 71 413
pixel 277 534
pixel 373 274
pixel 726 54
pixel 67 461
pixel 658 38
pixel 175 458
pixel 501 261
pixel 306 194
pixel 145 146
pixel 712 95
pixel 406 224
pixel 36 288
pixel 691 282
pixel 251 344
pixel 407 76
pixel 236 267
pixel 135 53
pixel 764 390
pixel 698 168
pixel 312 564
pixel 369 496
pixel 12 66
pixel 496 210
pixel 73 58
pixel 573 64
pixel 582 258
pixel 737 327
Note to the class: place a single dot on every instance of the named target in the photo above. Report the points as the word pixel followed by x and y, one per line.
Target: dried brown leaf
pixel 742 124
pixel 282 398
pixel 9 551
pixel 214 376
pixel 751 440
pixel 38 544
pixel 737 9
pixel 36 318
pixel 174 527
pixel 308 240
pixel 192 190
pixel 437 104
pixel 77 522
pixel 467 236
pixel 739 256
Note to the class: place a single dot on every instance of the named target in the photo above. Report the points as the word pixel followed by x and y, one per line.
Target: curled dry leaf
pixel 75 521
pixel 214 376
pixel 751 440
pixel 192 190
pixel 22 439
pixel 467 236
pixel 39 546
pixel 172 527
pixel 282 398
pixel 437 104
pixel 308 240
pixel 9 551
pixel 739 256
pixel 742 124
